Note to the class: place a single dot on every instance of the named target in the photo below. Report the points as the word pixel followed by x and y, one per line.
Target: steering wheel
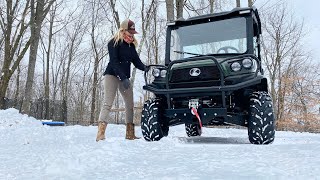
pixel 225 49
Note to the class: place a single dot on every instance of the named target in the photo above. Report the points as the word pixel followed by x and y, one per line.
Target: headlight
pixel 236 66
pixel 163 73
pixel 247 63
pixel 156 72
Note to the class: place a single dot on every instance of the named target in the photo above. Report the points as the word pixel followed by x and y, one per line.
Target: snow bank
pixel 12 118
pixel 16 128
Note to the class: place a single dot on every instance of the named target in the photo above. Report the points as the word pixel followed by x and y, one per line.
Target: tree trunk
pixel 155 40
pixel 36 20
pixel 98 54
pixel 47 78
pixel 35 37
pixel 4 82
pixel 117 19
pixel 94 90
pixel 64 111
pixel 179 6
pixel 238 3
pixel 16 94
pixel 66 84
pixel 211 6
pixel 170 10
pixel 115 13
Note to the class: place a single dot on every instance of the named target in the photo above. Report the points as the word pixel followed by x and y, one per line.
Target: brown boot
pixel 101 131
pixel 130 132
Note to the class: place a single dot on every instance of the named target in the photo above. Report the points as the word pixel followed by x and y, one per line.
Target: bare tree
pixel 117 20
pixel 155 41
pixel 94 18
pixel 56 53
pixel 13 25
pixel 47 58
pixel 301 99
pixel 74 39
pixel 57 66
pixel 39 11
pixel 81 87
pixel 280 43
pixel 99 51
pixel 201 7
pixel 146 17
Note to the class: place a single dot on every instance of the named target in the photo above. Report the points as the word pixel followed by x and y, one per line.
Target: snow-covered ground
pixel 29 150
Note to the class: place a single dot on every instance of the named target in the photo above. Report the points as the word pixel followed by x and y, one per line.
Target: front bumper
pixel 256 81
pixel 208 116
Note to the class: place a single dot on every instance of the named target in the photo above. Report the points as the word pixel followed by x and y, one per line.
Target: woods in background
pixel 54 52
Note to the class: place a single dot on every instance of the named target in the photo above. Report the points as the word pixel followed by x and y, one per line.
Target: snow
pixel 30 150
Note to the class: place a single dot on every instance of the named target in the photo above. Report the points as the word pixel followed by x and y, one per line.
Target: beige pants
pixel 111 85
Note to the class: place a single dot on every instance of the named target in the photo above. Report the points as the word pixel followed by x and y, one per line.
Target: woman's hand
pixel 126 84
pixel 146 68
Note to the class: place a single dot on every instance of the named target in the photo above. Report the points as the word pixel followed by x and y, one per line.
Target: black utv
pixel 212 76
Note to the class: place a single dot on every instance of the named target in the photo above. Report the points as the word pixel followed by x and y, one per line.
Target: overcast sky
pixel 307 11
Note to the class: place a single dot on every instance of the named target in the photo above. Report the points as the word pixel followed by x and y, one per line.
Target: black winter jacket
pixel 121 57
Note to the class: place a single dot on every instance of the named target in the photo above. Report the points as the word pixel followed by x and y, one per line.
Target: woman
pixel 122 52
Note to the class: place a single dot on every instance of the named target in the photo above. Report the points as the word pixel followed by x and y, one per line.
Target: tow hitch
pixel 193 105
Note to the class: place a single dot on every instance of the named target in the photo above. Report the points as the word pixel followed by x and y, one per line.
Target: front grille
pixel 194 84
pixel 199 84
pixel 208 73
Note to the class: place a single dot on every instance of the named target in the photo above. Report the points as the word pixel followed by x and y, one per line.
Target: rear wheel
pixel 261 124
pixel 193 130
pixel 152 129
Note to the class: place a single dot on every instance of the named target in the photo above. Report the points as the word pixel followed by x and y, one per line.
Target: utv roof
pixel 216 16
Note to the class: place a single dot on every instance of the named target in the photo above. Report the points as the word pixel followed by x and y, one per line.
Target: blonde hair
pixel 119 37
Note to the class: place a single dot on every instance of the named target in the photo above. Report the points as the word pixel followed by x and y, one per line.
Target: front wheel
pixel 150 121
pixel 193 130
pixel 261 124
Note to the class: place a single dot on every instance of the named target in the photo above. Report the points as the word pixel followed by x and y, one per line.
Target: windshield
pixel 218 37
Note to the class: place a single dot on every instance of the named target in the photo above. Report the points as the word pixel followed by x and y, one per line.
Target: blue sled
pixel 53 123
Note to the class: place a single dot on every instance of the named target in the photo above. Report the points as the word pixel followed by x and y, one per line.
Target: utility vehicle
pixel 212 76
